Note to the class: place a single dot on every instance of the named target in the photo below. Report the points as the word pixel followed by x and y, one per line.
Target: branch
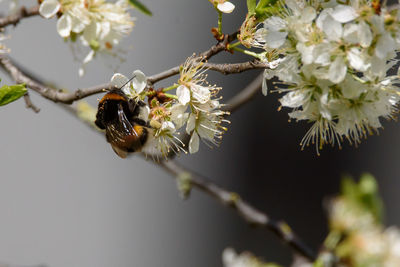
pixel 250 214
pixel 47 92
pixel 29 104
pixel 163 75
pixel 22 13
pixel 236 67
pixel 222 68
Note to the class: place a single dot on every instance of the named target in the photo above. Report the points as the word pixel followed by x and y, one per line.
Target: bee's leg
pixel 141 122
pixel 132 105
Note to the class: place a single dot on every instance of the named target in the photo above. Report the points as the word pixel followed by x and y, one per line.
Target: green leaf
pixel 265 8
pixel 251 6
pixel 141 7
pixel 11 93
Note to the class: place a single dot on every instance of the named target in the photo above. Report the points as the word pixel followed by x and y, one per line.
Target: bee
pixel 119 116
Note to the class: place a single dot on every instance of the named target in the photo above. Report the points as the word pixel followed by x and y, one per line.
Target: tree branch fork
pixel 233 200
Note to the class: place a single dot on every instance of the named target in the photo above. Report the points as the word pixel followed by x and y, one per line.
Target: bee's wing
pixel 121 134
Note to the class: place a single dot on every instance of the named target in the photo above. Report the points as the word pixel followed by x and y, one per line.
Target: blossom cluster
pixel 194 108
pixel 357 236
pixel 100 25
pixel 335 61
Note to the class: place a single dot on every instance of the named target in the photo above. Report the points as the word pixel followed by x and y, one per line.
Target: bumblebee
pixel 119 116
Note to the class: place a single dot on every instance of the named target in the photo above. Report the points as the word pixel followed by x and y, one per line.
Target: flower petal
pixel 356 60
pixel 64 26
pixel 168 126
pixel 343 13
pixel 275 39
pixel 365 34
pixel 306 52
pixel 118 80
pixel 264 87
pixel 183 94
pixel 200 93
pixel 384 46
pixel 139 82
pixel 226 7
pixel 293 99
pixel 337 70
pixel 191 123
pixel 144 113
pixel 49 8
pixel 194 143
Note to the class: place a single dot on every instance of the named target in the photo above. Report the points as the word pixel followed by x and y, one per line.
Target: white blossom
pixel 336 57
pixel 223 6
pixel 100 25
pixel 133 87
pixel 206 118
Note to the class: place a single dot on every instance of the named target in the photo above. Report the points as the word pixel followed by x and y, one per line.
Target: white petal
pixel 168 126
pixel 77 24
pixel 49 8
pixel 229 257
pixel 191 123
pixel 292 99
pixel 294 6
pixel 322 17
pixel 194 143
pixel 365 34
pixel 332 28
pixel 144 113
pixel 343 13
pixel 200 93
pixel 118 80
pixel 351 88
pixel 384 46
pixel 226 7
pixel 90 33
pixel 356 60
pixel 264 88
pixel 274 23
pixel 183 94
pixel 308 15
pixel 89 57
pixel 337 70
pixel 275 39
pixel 323 107
pixel 140 81
pixel 177 110
pixel 105 28
pixel 306 52
pixel 64 26
pixel 350 33
pixel 321 54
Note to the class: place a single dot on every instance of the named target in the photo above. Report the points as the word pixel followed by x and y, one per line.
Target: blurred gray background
pixel 66 200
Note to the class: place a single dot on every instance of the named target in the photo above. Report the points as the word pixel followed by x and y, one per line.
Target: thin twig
pixel 47 92
pixel 29 104
pixel 250 214
pixel 23 12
